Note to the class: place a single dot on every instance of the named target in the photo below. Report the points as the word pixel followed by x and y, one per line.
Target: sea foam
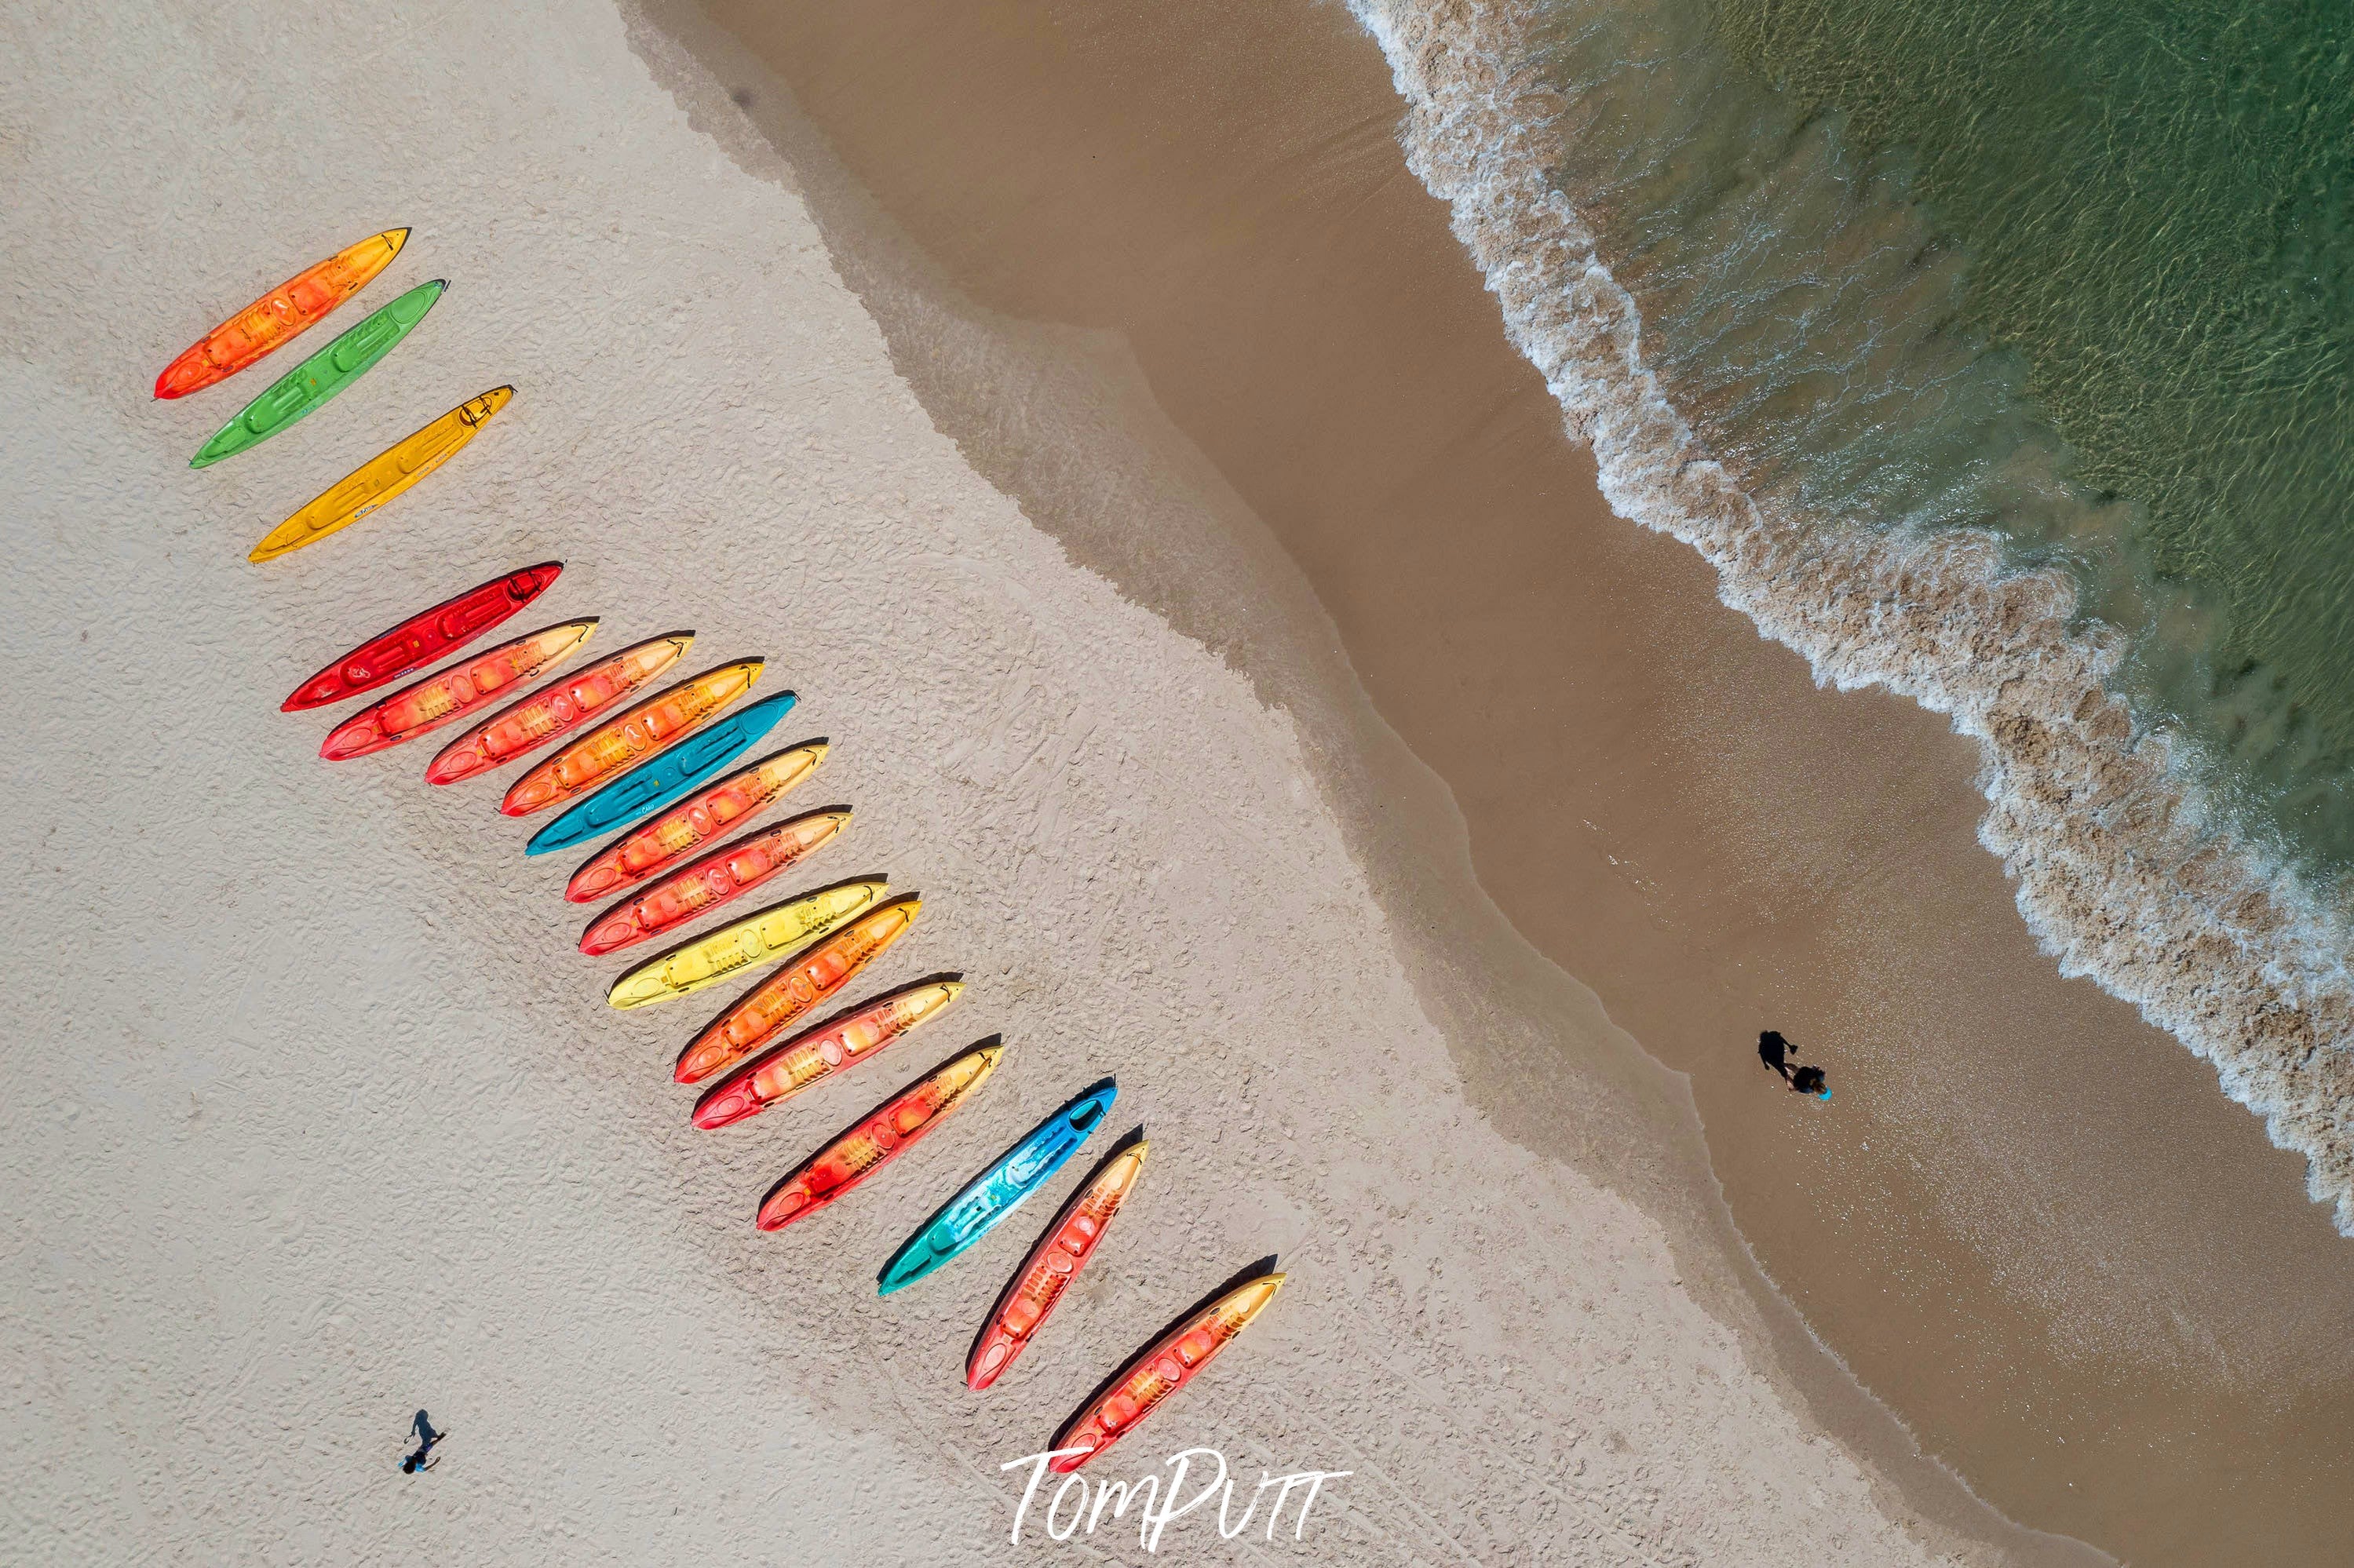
pixel 2127 869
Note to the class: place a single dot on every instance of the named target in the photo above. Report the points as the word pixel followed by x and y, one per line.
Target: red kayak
pixel 1168 1365
pixel 423 638
pixel 1032 1293
pixel 890 1130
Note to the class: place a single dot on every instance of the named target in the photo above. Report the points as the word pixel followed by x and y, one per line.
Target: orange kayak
pixel 795 992
pixel 660 722
pixel 463 688
pixel 556 709
pixel 276 319
pixel 701 885
pixel 880 1138
pixel 693 822
pixel 1038 1285
pixel 835 1046
pixel 1172 1362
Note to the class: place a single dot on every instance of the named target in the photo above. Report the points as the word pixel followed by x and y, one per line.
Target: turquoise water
pixel 2081 272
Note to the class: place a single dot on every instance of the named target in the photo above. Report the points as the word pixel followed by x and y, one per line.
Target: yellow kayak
pixel 383 476
pixel 755 940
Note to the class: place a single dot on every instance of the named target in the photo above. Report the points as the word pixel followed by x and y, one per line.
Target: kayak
pixel 275 320
pixel 700 887
pixel 1168 1365
pixel 778 929
pixel 423 638
pixel 892 1129
pixel 1038 1285
pixel 382 477
pixel 455 692
pixel 629 736
pixel 694 822
pixel 320 376
pixel 838 1045
pixel 652 785
pixel 557 708
pixel 993 1196
pixel 792 994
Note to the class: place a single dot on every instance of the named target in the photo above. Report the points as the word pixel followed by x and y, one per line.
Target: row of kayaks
pixel 276 319
pixel 651 764
pixel 657 779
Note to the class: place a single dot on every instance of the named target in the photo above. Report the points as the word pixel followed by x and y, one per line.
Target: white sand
pixel 311 1114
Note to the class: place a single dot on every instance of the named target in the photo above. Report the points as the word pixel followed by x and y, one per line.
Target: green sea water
pixel 2079 272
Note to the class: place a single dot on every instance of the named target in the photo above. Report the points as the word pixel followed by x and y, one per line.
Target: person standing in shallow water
pixel 1774 1052
pixel 1810 1081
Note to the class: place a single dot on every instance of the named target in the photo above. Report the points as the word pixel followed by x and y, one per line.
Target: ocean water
pixel 1996 352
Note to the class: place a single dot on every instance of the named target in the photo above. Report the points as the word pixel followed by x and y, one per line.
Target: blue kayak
pixel 670 774
pixel 998 1191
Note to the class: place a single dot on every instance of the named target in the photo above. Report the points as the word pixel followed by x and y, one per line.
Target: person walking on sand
pixel 1774 1052
pixel 1810 1081
pixel 426 1439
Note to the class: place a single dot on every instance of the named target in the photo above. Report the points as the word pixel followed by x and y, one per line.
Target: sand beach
pixel 1096 424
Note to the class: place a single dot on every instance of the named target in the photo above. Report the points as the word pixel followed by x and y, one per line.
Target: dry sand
pixel 314 1116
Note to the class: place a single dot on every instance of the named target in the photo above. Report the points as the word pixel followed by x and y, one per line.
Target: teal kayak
pixel 997 1192
pixel 653 785
pixel 320 376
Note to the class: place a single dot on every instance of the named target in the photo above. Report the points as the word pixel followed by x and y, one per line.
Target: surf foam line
pixel 2127 871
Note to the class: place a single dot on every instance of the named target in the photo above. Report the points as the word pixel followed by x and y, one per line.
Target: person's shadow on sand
pixel 426 1439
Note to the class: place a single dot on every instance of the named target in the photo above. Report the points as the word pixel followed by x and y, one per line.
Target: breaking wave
pixel 2132 865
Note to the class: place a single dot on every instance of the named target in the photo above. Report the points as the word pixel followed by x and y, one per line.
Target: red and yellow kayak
pixel 693 822
pixel 893 1129
pixel 556 709
pixel 653 725
pixel 1038 1285
pixel 794 993
pixel 279 316
pixel 700 887
pixel 1159 1371
pixel 423 638
pixel 836 1046
pixel 454 693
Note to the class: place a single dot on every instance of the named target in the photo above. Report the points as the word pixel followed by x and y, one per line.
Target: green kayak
pixel 321 375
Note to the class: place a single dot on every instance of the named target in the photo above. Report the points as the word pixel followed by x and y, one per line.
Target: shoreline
pixel 2090 1323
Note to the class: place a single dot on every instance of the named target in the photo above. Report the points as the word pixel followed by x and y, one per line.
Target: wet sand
pixel 2028 1222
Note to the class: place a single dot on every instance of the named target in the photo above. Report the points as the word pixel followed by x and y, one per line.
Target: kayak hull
pixel 382 477
pixel 835 1046
pixel 424 637
pixel 280 316
pixel 556 709
pixel 629 737
pixel 720 877
pixel 1170 1364
pixel 890 1130
pixel 795 992
pixel 991 1197
pixel 452 693
pixel 1031 1297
